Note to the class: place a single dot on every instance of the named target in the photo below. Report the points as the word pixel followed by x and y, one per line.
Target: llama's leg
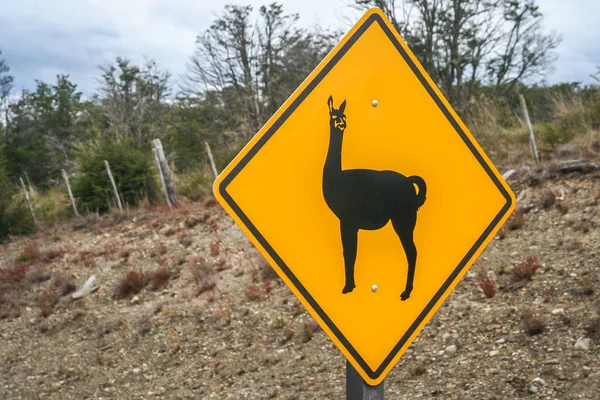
pixel 349 243
pixel 404 227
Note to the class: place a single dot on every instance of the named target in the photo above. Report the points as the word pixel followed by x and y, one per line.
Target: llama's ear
pixel 343 106
pixel 330 104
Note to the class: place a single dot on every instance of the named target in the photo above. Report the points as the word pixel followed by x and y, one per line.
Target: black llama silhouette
pixel 368 199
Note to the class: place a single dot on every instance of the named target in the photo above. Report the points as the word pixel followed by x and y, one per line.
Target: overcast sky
pixel 42 38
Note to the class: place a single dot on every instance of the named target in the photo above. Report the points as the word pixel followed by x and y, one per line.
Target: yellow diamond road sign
pixel 368 195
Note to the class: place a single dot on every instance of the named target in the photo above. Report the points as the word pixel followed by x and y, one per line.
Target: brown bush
pixel 516 221
pixel 49 256
pixel 30 253
pixel 308 331
pixel 125 254
pixel 132 283
pixel 160 277
pixel 532 324
pixel 253 293
pixel 48 300
pixel 202 273
pixel 63 283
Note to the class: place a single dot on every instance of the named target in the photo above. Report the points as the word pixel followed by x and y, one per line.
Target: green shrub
pixel 551 134
pixel 53 205
pixel 195 185
pixel 14 215
pixel 132 170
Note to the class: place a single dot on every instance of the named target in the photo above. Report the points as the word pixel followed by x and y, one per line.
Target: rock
pixel 583 344
pixel 558 311
pixel 451 349
pixel 534 389
pixel 88 287
pixel 445 336
pixel 501 341
pixel 534 386
pixel 135 300
pixel 493 353
pixel 137 370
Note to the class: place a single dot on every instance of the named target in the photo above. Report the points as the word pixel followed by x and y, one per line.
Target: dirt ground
pixel 223 326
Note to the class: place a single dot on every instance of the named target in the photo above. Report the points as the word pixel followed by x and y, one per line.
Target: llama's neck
pixel 333 163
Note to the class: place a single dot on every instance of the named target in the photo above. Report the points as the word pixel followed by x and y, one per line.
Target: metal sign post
pixel 358 389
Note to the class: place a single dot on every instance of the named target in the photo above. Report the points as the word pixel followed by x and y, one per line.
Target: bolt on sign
pixel 368 195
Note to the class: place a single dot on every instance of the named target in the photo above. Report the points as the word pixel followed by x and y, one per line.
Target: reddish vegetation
pixel 132 283
pixel 215 249
pixel 87 258
pixel 526 269
pixel 160 277
pixel 254 293
pixel 14 274
pixel 489 288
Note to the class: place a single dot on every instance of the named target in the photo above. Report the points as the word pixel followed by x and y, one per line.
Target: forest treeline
pixel 481 53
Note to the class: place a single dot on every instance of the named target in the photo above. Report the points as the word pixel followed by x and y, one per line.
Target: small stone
pixel 493 353
pixel 534 389
pixel 451 349
pixel 445 336
pixel 137 370
pixel 558 311
pixel 583 344
pixel 539 381
pixel 535 385
pixel 440 353
pixel 135 300
pixel 501 341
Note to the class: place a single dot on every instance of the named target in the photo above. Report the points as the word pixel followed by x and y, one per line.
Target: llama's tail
pixel 422 194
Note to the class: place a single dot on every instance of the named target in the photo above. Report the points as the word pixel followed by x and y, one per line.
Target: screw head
pixel 374 288
pixel 375 103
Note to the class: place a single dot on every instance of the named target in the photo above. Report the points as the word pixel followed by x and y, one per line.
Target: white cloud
pixel 42 38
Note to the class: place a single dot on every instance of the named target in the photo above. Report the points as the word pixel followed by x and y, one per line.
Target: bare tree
pixel 6 85
pixel 462 43
pixel 524 50
pixel 253 64
pixel 133 99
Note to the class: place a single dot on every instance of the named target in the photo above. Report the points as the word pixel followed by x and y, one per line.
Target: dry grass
pixel 203 275
pixel 30 253
pixel 47 301
pixel 532 324
pixel 14 274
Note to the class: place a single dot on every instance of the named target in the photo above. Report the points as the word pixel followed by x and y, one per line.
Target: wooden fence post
pixel 66 178
pixel 162 177
pixel 166 172
pixel 530 127
pixel 28 200
pixel 112 180
pixel 212 160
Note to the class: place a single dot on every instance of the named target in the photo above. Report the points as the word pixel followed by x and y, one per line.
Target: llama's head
pixel 337 118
